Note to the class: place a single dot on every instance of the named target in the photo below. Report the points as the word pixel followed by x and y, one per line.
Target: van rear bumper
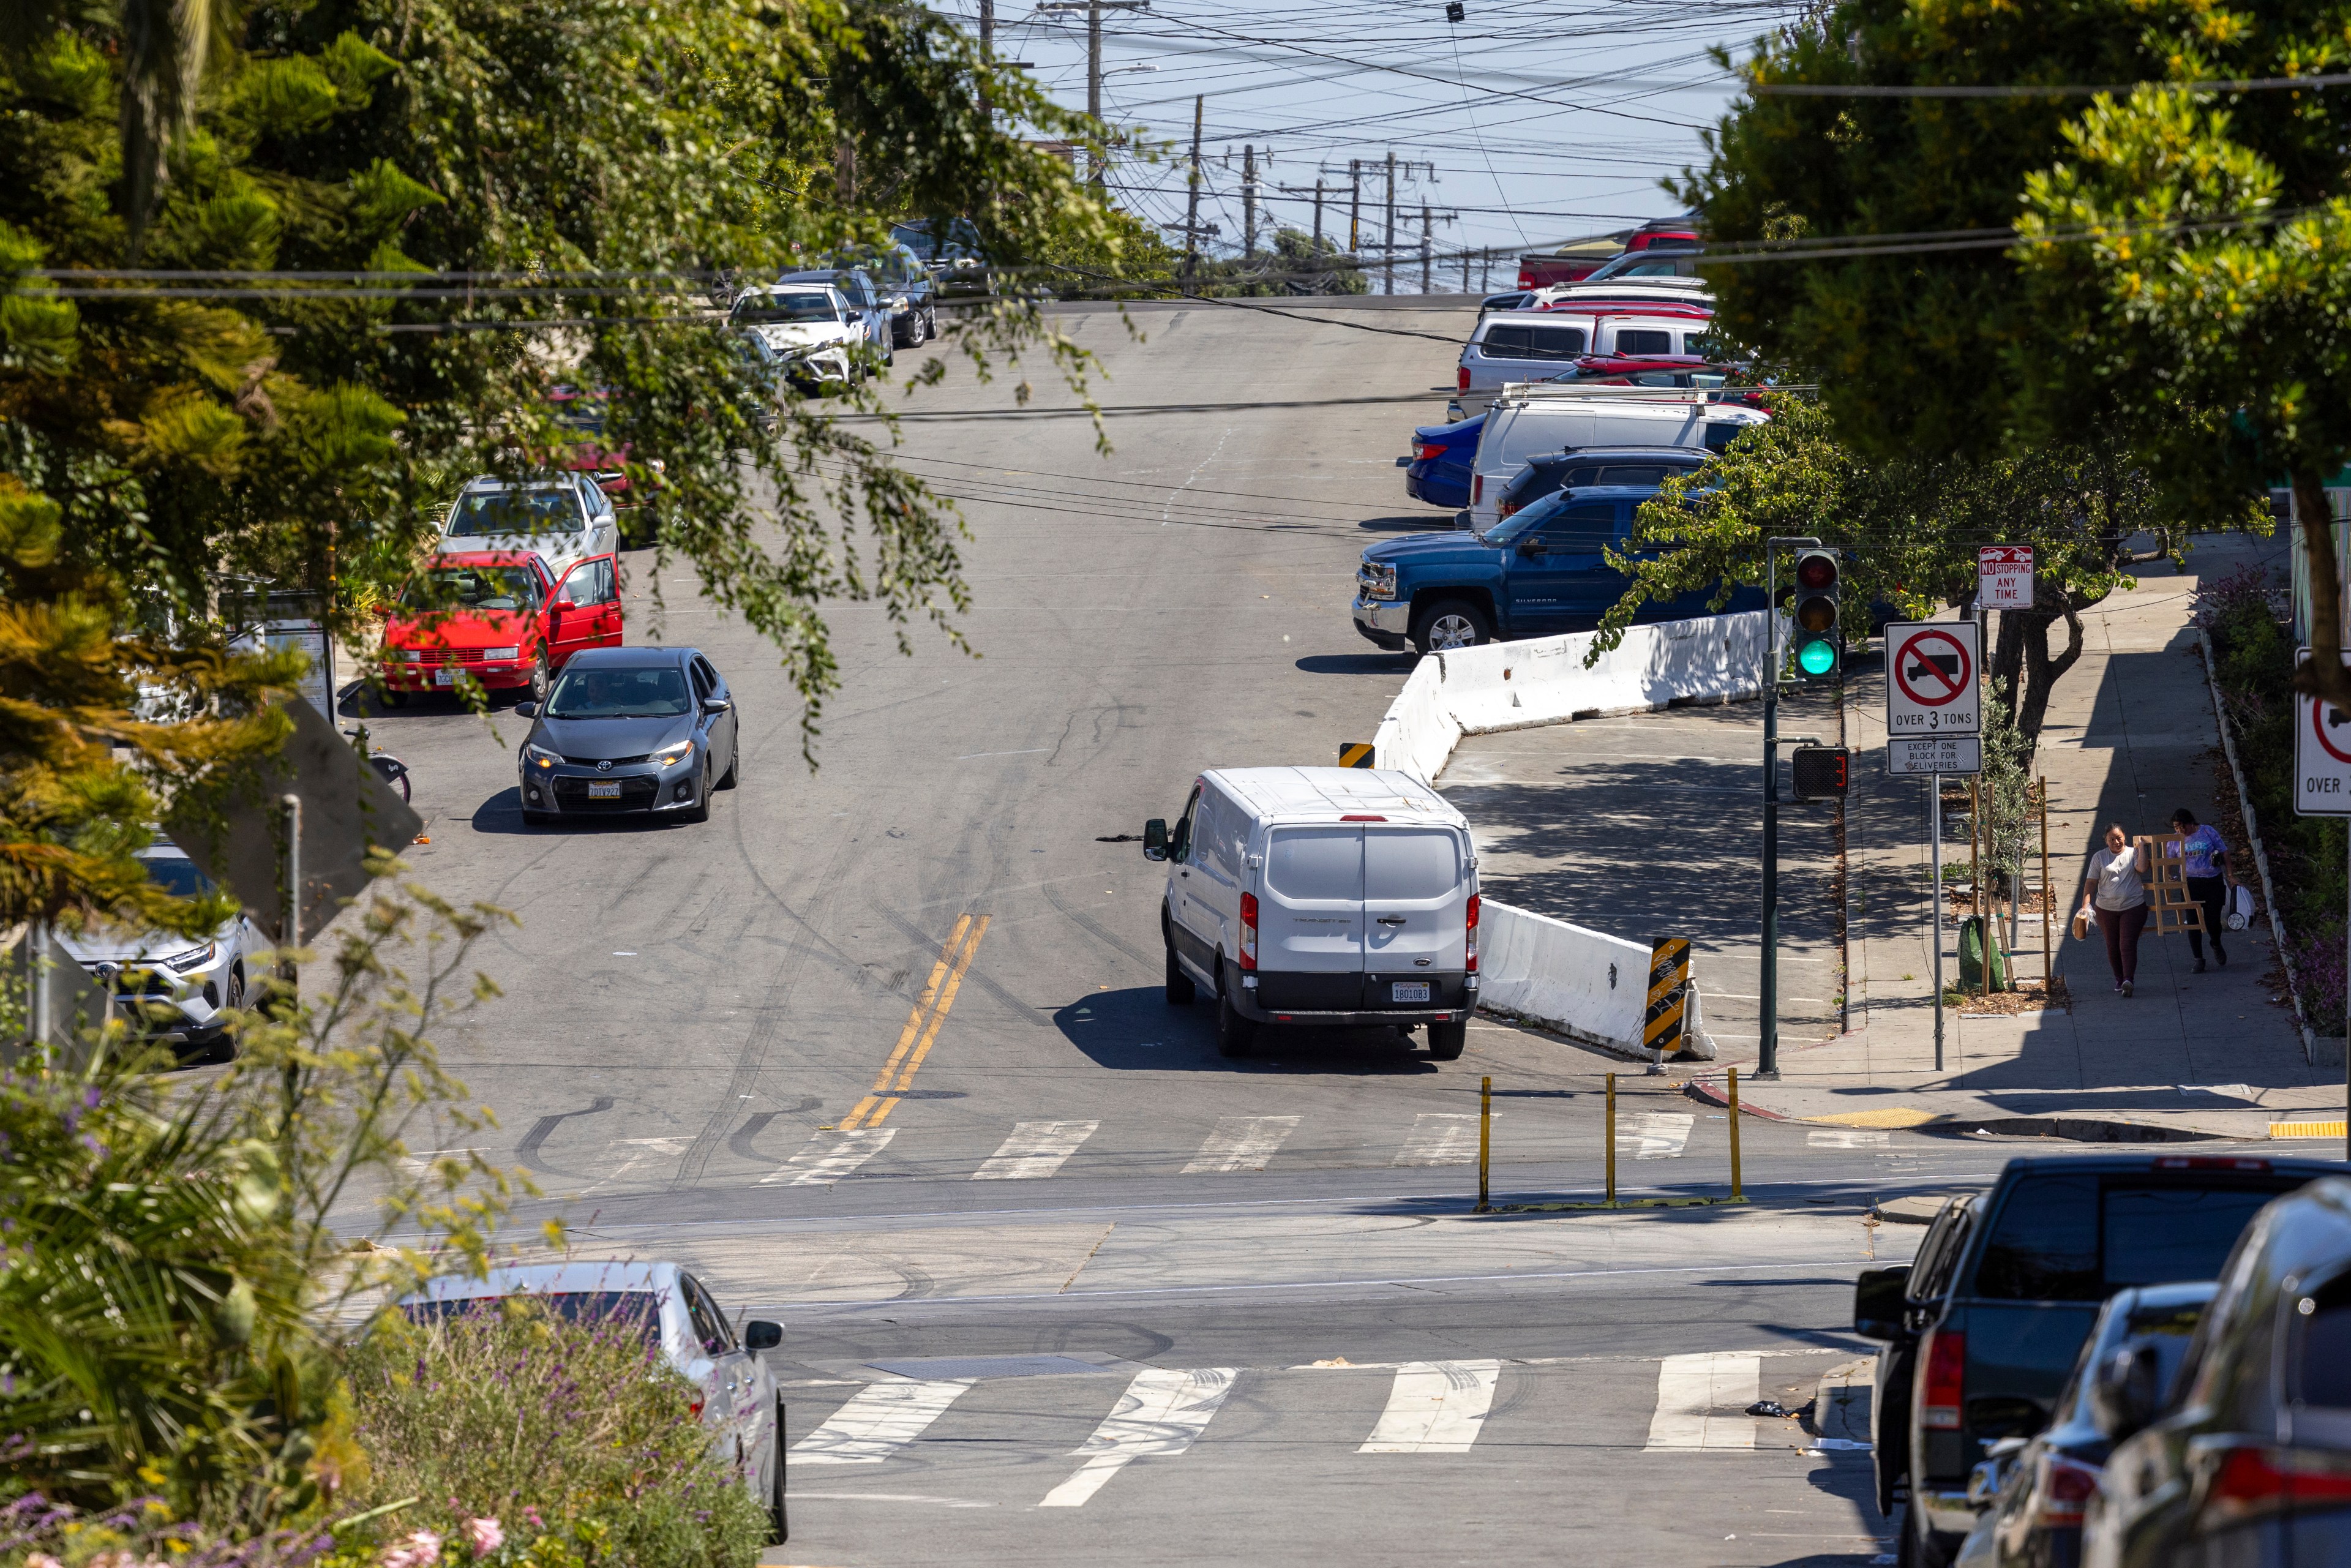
pixel 1277 997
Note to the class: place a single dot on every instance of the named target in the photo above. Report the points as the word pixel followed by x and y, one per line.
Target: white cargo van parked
pixel 1320 895
pixel 1527 421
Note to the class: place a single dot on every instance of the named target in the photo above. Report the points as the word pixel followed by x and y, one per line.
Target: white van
pixel 1529 345
pixel 1320 895
pixel 1527 421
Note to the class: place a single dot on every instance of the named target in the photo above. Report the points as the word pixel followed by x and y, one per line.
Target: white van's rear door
pixel 1416 909
pixel 1311 918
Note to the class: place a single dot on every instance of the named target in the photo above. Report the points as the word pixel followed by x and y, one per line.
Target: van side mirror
pixel 2122 1395
pixel 761 1334
pixel 1878 1300
pixel 1154 839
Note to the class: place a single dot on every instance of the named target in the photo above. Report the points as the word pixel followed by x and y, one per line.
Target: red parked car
pixel 497 616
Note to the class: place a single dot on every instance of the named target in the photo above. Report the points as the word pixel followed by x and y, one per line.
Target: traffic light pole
pixel 1767 1065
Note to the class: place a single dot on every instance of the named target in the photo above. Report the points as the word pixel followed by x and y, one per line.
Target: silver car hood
pixel 114 947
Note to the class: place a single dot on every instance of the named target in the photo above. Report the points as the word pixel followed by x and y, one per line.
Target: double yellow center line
pixel 922 1031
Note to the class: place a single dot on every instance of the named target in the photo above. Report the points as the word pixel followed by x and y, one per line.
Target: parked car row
pixel 2126 1361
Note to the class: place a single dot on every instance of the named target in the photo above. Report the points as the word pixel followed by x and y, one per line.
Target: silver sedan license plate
pixel 1410 991
pixel 609 790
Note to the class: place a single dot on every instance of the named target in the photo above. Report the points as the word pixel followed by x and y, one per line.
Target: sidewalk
pixel 2130 736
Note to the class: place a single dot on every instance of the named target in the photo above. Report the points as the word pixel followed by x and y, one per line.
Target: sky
pixel 1530 122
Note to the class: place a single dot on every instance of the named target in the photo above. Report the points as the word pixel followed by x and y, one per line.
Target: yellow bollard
pixel 1736 1196
pixel 1485 1139
pixel 1611 1140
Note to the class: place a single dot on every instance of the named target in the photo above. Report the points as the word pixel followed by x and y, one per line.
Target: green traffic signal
pixel 1816 657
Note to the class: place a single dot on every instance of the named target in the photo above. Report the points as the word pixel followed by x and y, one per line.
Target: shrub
pixel 575 1439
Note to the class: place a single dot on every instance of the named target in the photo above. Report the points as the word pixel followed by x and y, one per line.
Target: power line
pixel 2246 84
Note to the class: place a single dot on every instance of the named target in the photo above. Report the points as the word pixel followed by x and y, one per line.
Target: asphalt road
pixel 689 1012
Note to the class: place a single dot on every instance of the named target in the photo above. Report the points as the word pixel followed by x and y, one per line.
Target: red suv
pixel 497 616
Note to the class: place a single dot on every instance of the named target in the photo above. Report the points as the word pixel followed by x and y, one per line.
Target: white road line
pixel 1435 1408
pixel 829 1156
pixel 1441 1138
pixel 642 1152
pixel 1035 1149
pixel 1241 1144
pixel 1700 1398
pixel 877 1422
pixel 1159 1415
pixel 1660 1134
pixel 1848 1138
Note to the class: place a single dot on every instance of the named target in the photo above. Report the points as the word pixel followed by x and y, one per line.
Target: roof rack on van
pixel 1545 391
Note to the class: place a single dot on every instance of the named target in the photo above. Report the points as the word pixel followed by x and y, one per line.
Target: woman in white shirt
pixel 2117 896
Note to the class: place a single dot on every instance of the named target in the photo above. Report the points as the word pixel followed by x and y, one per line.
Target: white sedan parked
pixel 563 520
pixel 739 1400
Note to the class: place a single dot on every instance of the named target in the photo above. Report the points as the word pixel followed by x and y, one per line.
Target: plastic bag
pixel 2240 909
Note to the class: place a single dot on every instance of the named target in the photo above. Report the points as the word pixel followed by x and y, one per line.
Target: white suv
pixel 802 332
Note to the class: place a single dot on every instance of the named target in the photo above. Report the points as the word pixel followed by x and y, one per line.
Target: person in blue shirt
pixel 2209 879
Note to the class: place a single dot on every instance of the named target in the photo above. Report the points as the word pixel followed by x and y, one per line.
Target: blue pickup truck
pixel 1537 573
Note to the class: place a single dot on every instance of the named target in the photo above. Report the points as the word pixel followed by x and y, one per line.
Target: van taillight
pixel 1248 930
pixel 2065 1487
pixel 1477 488
pixel 1505 508
pixel 1473 933
pixel 1464 378
pixel 1947 1366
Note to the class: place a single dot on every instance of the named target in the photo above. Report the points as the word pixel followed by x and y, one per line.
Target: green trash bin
pixel 1971 956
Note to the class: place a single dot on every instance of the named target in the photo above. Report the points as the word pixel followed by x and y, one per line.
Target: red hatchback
pixel 497 616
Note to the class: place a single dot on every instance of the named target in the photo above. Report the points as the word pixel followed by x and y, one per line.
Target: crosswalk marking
pixel 877 1422
pixel 1241 1144
pixel 1441 1138
pixel 829 1156
pixel 1435 1408
pixel 642 1152
pixel 1660 1134
pixel 1849 1138
pixel 1035 1149
pixel 1162 1411
pixel 1700 1398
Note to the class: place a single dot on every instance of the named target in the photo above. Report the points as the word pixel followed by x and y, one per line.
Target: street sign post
pixel 1931 679
pixel 2005 576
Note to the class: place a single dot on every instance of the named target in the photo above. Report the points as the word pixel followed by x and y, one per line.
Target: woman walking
pixel 2118 893
pixel 2209 879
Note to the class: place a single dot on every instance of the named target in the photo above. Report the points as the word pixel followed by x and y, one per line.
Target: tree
pixel 1911 526
pixel 2155 298
pixel 504 196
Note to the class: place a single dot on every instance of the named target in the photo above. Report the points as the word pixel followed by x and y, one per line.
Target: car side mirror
pixel 2123 1393
pixel 1878 1301
pixel 715 705
pixel 761 1334
pixel 1154 839
pixel 1532 549
pixel 526 710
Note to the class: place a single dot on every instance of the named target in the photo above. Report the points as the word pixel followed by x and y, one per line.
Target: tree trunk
pixel 2041 671
pixel 2324 676
pixel 2008 651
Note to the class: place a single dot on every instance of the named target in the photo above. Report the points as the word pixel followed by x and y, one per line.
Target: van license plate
pixel 609 790
pixel 444 677
pixel 1411 991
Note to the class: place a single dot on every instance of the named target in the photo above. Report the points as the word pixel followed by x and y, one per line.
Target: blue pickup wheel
pixel 1450 623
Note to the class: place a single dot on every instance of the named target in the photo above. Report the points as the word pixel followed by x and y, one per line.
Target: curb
pixel 2069 1129
pixel 1711 1095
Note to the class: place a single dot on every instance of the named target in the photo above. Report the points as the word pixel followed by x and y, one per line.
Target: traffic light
pixel 1819 645
pixel 1821 771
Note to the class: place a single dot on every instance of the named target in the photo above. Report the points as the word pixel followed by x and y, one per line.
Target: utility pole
pixel 1248 202
pixel 1318 216
pixel 1387 249
pixel 1094 10
pixel 1354 207
pixel 1192 200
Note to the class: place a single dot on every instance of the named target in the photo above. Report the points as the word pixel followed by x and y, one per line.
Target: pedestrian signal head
pixel 1819 647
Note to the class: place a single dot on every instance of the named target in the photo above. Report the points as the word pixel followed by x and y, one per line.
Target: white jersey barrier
pixel 1583 984
pixel 1518 685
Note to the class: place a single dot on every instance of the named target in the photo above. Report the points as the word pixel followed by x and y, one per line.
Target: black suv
pixel 1980 1330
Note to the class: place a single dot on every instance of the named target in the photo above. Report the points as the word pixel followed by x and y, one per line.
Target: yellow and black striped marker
pixel 1668 996
pixel 1355 754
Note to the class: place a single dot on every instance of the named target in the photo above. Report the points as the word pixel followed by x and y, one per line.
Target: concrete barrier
pixel 1585 984
pixel 1518 685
